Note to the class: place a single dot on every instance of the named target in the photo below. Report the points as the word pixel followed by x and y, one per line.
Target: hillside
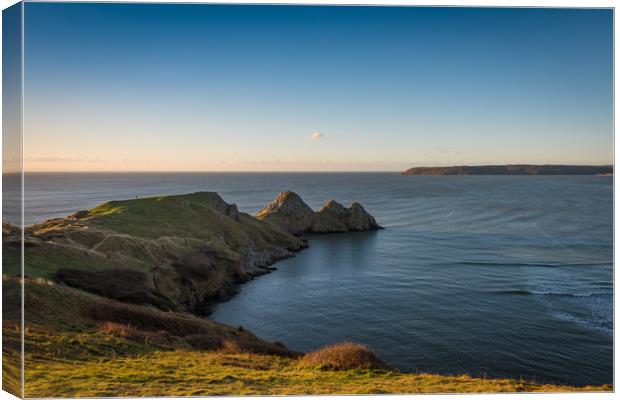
pixel 516 169
pixel 116 297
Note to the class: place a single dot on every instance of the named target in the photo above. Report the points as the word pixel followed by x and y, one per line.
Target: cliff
pixel 517 169
pixel 291 214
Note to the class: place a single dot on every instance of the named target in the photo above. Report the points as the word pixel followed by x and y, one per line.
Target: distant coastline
pixel 514 169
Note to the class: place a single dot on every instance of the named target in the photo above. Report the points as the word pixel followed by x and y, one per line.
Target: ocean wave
pixel 525 292
pixel 541 265
pixel 605 327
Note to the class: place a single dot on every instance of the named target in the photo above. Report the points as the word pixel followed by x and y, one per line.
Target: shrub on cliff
pixel 343 356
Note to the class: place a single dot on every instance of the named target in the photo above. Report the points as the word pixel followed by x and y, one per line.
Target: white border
pixel 480 3
pixel 448 3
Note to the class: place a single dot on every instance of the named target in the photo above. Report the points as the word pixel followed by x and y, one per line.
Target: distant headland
pixel 514 169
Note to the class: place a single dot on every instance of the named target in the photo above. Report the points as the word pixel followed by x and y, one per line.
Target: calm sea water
pixel 487 275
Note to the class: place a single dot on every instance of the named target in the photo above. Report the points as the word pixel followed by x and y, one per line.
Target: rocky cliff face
pixel 290 213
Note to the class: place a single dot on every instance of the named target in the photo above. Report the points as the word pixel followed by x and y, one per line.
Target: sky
pixel 139 87
pixel 11 89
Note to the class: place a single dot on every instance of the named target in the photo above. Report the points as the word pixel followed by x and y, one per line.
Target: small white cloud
pixel 316 135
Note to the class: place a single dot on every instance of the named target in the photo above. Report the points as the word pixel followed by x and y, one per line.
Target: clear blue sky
pixel 206 87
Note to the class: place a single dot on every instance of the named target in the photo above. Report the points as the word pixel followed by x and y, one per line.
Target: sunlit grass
pixel 106 209
pixel 191 373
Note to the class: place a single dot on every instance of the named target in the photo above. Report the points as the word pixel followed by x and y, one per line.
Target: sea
pixel 496 276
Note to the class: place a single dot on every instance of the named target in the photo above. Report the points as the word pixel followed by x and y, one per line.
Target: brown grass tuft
pixel 343 356
pixel 232 347
pixel 129 332
pixel 119 330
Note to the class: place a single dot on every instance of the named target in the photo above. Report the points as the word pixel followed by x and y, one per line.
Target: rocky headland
pixel 176 253
pixel 514 169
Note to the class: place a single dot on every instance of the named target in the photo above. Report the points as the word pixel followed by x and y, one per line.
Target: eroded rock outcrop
pixel 290 213
pixel 333 217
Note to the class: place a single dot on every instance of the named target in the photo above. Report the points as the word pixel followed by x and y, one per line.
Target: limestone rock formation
pixel 358 219
pixel 330 218
pixel 290 213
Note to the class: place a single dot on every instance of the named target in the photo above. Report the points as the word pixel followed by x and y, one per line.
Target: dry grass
pixel 342 357
pixel 120 330
pixel 128 332
pixel 230 347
